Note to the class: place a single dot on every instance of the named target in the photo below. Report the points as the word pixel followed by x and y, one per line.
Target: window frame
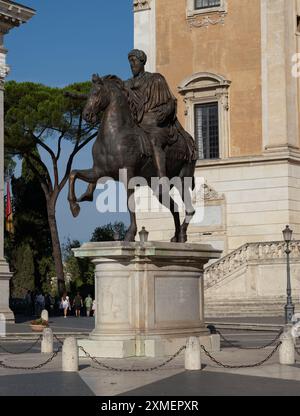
pixel 192 12
pixel 205 88
pixel 207 7
pixel 197 105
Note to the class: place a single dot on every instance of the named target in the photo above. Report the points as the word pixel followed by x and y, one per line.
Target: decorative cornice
pixel 205 21
pixel 141 5
pixel 211 194
pixel 13 14
pixel 4 71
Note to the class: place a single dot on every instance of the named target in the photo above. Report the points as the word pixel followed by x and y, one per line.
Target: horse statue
pixel 119 145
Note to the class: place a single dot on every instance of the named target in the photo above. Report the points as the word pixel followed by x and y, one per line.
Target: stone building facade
pixel 11 15
pixel 232 65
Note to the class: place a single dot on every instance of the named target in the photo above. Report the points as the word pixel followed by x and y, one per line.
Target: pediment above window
pixel 203 81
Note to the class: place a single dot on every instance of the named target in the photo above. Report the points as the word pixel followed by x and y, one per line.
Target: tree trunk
pixel 57 256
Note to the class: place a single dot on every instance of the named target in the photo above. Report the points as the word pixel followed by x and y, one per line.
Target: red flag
pixel 8 211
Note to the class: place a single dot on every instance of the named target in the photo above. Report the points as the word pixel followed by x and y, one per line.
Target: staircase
pixel 251 281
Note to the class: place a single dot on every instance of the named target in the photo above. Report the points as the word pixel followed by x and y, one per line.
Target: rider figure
pixel 154 108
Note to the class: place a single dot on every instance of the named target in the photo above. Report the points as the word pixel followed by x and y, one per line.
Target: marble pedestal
pixel 5 277
pixel 149 298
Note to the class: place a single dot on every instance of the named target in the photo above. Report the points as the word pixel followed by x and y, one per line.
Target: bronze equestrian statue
pixel 139 132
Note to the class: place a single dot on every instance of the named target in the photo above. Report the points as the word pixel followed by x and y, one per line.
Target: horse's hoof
pixel 75 209
pixel 182 238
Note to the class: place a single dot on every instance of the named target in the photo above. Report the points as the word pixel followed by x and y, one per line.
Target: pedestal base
pixel 149 298
pixel 148 348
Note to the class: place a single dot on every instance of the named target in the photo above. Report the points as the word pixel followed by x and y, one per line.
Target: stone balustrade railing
pixel 262 251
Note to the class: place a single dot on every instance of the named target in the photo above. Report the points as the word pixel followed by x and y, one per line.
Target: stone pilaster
pixel 145 30
pixel 5 274
pixel 11 15
pixel 279 87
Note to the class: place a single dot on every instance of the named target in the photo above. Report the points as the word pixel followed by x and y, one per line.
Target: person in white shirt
pixel 65 304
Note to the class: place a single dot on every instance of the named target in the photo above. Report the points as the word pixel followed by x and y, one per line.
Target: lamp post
pixel 143 235
pixel 289 307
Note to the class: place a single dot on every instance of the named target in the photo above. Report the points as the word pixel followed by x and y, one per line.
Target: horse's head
pixel 98 100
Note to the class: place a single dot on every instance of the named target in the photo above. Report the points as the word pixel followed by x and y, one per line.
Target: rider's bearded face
pixel 136 65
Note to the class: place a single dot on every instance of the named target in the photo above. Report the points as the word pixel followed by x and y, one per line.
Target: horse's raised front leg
pixel 89 193
pixel 87 175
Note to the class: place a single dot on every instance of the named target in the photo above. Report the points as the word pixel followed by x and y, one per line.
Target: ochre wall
pixel 232 50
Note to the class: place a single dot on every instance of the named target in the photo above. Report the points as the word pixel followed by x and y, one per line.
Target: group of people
pixel 36 302
pixel 78 303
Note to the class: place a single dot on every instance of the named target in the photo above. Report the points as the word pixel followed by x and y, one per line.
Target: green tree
pixel 109 232
pixel 23 278
pixel 81 271
pixel 30 221
pixel 38 119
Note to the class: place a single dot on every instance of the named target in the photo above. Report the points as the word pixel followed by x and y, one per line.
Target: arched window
pixel 206 96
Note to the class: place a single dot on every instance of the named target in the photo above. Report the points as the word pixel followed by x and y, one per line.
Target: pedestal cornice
pixel 161 251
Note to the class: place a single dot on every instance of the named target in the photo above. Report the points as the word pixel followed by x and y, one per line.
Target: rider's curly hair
pixel 140 55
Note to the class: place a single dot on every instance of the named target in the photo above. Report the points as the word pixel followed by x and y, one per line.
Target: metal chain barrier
pixel 58 340
pixel 135 370
pixel 36 367
pixel 241 366
pixel 251 348
pixel 21 352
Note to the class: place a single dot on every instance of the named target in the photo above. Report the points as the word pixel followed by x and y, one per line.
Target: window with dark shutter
pixel 207 130
pixel 205 4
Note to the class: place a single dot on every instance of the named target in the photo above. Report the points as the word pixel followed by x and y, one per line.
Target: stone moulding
pixel 211 194
pixel 206 21
pixel 4 71
pixel 141 5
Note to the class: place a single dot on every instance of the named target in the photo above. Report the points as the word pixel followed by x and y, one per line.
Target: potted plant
pixel 38 325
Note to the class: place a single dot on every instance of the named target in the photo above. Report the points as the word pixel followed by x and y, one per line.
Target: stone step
pixel 247 308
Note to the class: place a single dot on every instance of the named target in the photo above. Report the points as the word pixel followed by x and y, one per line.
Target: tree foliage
pixel 23 278
pixel 109 232
pixel 40 118
pixel 82 271
pixel 31 228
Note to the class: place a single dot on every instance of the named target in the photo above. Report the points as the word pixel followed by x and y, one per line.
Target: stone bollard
pixel 287 349
pixel 70 360
pixel 192 354
pixel 45 315
pixel 47 341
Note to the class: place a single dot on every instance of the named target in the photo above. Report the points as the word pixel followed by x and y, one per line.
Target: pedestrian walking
pixel 65 304
pixel 88 303
pixel 94 307
pixel 39 304
pixel 29 305
pixel 77 304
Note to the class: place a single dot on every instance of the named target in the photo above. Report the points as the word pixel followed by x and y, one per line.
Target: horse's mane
pixel 116 80
pixel 128 94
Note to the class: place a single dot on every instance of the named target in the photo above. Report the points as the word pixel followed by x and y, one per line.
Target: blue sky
pixel 66 42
